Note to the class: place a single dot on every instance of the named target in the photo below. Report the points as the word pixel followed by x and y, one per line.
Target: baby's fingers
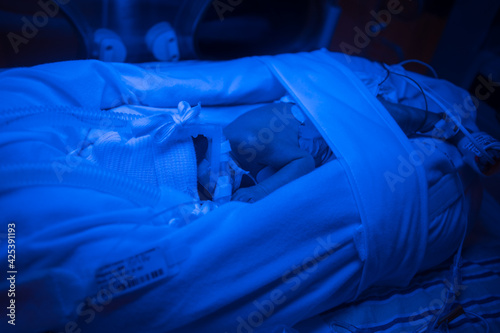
pixel 243 195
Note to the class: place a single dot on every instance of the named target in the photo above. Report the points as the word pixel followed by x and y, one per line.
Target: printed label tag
pixel 133 272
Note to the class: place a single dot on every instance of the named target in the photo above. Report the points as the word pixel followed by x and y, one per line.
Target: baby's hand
pixel 249 194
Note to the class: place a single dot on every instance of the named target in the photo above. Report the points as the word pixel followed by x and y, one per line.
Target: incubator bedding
pixel 99 175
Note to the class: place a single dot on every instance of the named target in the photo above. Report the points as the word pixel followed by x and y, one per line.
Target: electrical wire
pixel 386 76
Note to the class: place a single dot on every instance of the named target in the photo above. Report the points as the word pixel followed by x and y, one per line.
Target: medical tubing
pixel 480 318
pixel 252 178
pixel 386 76
pixel 463 130
pixel 419 87
pixel 402 63
pixel 457 259
pixel 67 116
pixel 474 142
pixel 223 187
pixel 494 145
pixel 83 176
pixel 457 263
pixel 453 118
pixel 78 173
pixel 470 137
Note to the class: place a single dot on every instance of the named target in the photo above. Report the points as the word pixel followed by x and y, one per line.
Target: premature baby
pixel 280 138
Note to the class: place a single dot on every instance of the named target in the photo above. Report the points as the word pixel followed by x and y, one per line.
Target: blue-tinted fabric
pixel 313 244
pixel 340 105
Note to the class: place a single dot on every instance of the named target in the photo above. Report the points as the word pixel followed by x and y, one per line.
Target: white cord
pixel 478 316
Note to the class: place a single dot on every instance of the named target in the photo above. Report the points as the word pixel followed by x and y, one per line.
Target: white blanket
pixel 313 244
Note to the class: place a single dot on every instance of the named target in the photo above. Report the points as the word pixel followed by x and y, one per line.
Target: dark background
pixel 459 38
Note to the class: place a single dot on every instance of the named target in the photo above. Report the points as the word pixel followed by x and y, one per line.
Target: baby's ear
pixel 236 133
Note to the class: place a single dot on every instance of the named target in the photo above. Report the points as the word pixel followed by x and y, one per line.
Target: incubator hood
pixel 165 30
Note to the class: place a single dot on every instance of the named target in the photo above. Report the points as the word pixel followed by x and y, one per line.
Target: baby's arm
pixel 293 169
pixel 279 149
pixel 291 164
pixel 411 119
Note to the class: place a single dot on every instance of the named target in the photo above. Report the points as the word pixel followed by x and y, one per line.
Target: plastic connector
pixel 109 46
pixel 162 42
pixel 482 152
